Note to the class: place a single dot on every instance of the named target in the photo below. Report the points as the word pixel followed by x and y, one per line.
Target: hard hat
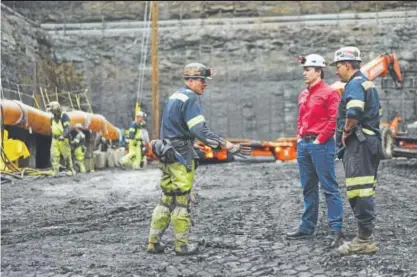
pixel 197 70
pixel 140 113
pixel 349 53
pixel 54 106
pixel 78 126
pixel 312 60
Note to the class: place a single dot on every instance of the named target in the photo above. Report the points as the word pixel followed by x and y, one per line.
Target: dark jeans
pixel 316 162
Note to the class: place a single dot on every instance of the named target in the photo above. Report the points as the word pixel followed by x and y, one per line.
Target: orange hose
pixel 21 115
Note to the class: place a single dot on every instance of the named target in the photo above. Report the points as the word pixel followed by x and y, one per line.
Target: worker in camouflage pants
pixel 182 122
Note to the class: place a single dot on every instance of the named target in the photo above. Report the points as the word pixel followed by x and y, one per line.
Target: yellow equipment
pixel 12 151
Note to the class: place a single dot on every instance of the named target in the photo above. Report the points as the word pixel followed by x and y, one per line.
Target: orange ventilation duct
pixel 18 114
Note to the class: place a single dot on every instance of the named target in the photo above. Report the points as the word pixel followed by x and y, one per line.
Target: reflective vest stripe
pixel 194 121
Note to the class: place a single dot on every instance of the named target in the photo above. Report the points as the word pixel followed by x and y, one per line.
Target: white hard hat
pixel 140 113
pixel 53 106
pixel 313 60
pixel 349 53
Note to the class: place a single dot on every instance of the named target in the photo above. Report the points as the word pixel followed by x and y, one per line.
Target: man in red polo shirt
pixel 316 125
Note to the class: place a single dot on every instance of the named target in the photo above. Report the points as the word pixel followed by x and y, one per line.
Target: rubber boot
pixel 358 246
pixel 187 250
pixel 155 248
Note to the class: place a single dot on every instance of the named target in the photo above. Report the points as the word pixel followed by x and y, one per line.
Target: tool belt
pixel 185 147
pixel 169 151
pixel 165 152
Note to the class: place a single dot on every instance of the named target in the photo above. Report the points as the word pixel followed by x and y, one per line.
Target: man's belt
pixel 309 137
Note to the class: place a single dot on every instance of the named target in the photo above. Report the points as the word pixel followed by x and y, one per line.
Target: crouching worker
pixel 138 137
pixel 60 128
pixel 78 143
pixel 182 122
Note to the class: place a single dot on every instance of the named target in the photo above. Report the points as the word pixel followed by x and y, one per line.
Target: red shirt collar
pixel 315 87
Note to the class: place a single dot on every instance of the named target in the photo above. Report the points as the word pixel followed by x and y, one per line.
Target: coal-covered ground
pixel 97 225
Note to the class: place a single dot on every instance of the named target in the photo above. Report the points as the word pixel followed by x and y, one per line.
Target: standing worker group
pixel 182 122
pixel 138 138
pixel 60 128
pixel 316 127
pixel 358 134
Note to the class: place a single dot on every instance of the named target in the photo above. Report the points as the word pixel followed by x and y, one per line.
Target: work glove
pixel 238 149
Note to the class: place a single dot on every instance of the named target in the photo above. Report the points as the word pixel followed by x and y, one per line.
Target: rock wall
pixel 255 90
pixel 96 11
pixel 23 46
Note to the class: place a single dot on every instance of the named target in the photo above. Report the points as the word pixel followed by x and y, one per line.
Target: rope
pixel 144 51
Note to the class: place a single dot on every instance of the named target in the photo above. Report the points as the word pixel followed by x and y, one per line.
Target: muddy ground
pixel 97 225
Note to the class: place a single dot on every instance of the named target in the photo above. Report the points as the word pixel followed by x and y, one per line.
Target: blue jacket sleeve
pixel 65 120
pixel 132 130
pixel 196 122
pixel 355 100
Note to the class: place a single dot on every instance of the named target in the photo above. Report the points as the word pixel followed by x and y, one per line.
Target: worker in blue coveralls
pixel 182 122
pixel 359 135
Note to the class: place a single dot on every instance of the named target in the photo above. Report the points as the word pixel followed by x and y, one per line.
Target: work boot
pixel 358 246
pixel 155 248
pixel 338 239
pixel 298 235
pixel 186 250
pixel 71 172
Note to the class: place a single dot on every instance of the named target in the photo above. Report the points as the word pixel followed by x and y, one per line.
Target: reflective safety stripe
pixel 358 78
pixel 66 123
pixel 368 192
pixel 355 104
pixel 367 84
pixel 362 180
pixel 155 232
pixel 368 132
pixel 181 236
pixel 179 96
pixel 194 121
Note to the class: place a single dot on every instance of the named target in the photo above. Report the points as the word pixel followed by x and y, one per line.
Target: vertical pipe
pixel 155 74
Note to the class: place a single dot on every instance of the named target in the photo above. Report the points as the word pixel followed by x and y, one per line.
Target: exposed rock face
pixel 96 11
pixel 255 90
pixel 254 93
pixel 22 46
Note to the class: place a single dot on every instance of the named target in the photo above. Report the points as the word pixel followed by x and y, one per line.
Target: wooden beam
pixel 155 72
